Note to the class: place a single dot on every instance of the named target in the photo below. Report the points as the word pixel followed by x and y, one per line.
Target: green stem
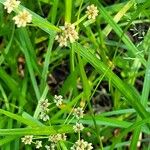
pixel 68 9
pixel 80 20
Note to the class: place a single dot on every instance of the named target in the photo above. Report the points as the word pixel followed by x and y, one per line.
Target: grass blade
pixel 130 94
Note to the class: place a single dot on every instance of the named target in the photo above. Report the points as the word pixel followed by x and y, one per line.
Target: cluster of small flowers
pixel 44 104
pixel 54 139
pixel 92 12
pixel 78 113
pixel 68 33
pixel 57 137
pixel 58 100
pixel 78 127
pixel 28 139
pixel 82 145
pixel 22 18
pixel 10 5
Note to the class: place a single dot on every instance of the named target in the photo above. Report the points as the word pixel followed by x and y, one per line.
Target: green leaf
pixel 129 93
pixel 18 118
pixel 23 44
pixel 37 130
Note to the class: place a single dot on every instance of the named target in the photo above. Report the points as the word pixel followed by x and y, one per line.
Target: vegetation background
pixel 107 71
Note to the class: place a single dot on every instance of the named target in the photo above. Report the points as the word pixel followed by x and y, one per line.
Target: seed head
pixel 57 137
pixel 92 12
pixel 44 104
pixel 78 127
pixel 68 34
pixel 10 5
pixel 43 116
pixel 22 18
pixel 58 100
pixel 27 139
pixel 82 145
pixel 78 112
pixel 62 40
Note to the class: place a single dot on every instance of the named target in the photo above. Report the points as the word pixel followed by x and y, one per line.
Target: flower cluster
pixel 58 100
pixel 78 113
pixel 22 18
pixel 57 137
pixel 78 127
pixel 10 5
pixel 44 104
pixel 82 145
pixel 54 139
pixel 92 12
pixel 28 139
pixel 68 33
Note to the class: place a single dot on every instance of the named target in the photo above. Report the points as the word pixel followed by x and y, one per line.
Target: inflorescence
pixel 92 12
pixel 10 5
pixel 22 18
pixel 68 31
